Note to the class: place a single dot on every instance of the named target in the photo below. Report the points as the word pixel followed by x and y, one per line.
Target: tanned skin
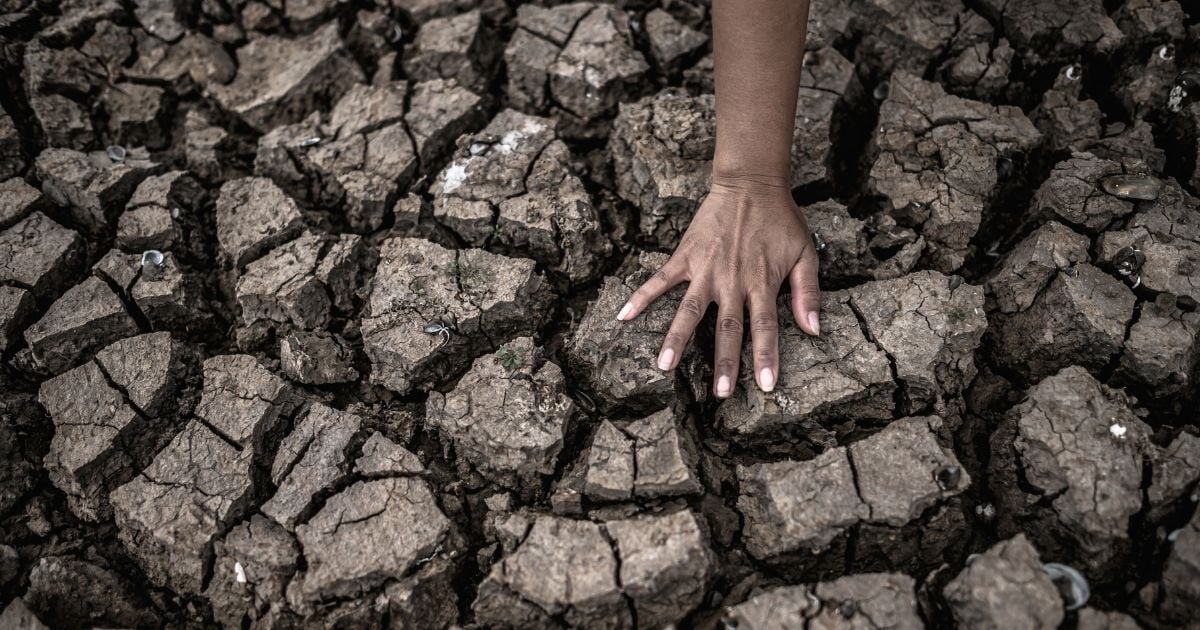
pixel 748 236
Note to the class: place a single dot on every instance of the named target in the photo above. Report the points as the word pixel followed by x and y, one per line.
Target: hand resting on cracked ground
pixel 748 235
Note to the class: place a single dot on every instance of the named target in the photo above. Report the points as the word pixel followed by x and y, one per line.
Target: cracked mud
pixel 307 319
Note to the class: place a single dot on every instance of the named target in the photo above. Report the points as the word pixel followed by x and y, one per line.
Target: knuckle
pixel 729 325
pixel 809 293
pixel 764 359
pixel 725 366
pixel 673 340
pixel 691 307
pixel 765 323
pixel 661 277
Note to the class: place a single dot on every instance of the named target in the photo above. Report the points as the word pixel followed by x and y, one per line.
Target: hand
pixel 746 238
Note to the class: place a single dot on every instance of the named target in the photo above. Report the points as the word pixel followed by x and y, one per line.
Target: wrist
pixel 751 183
pixel 740 177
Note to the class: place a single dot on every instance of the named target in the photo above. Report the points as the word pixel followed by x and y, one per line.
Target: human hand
pixel 745 239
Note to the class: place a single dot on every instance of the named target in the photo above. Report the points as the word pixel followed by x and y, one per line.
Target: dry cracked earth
pixel 307 320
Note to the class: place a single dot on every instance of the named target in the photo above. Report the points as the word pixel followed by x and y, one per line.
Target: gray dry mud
pixel 307 320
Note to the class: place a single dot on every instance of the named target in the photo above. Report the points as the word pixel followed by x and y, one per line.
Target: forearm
pixel 758 52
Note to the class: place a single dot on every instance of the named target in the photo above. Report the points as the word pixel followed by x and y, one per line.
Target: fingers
pixel 687 317
pixel 662 281
pixel 764 338
pixel 806 292
pixel 728 345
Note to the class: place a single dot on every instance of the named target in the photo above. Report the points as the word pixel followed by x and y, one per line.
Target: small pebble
pixel 116 153
pixel 152 262
pixel 882 90
pixel 1074 72
pixel 1071 584
pixel 819 242
pixel 1118 431
pixel 1139 187
pixel 949 476
pixel 1129 260
pixel 1187 86
pixel 1004 168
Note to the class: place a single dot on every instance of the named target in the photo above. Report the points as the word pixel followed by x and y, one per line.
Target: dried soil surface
pixel 307 319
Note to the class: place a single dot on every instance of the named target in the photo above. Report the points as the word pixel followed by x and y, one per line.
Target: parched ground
pixel 307 319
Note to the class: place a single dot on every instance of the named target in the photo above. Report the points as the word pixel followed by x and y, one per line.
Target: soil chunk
pixel 68 592
pixel 1053 441
pixel 840 375
pixel 86 318
pixel 580 56
pixel 1167 233
pixel 461 47
pixel 93 186
pixel 111 416
pixel 618 360
pixel 935 161
pixel 1078 319
pixel 507 417
pixel 570 568
pixel 279 80
pixel 371 532
pixel 17 200
pixel 889 479
pixel 477 297
pixel 316 358
pixel 672 43
pixel 513 186
pixel 40 255
pixel 1033 263
pixel 254 215
pixel 879 599
pixel 297 284
pixel 648 458
pixel 310 460
pixel 1179 582
pixel 1005 587
pixel 929 325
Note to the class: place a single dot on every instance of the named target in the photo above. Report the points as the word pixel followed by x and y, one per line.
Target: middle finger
pixel 764 336
pixel 687 317
pixel 729 344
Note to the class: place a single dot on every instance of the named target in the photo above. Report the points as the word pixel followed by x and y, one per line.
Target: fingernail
pixel 723 387
pixel 766 379
pixel 814 322
pixel 665 359
pixel 624 311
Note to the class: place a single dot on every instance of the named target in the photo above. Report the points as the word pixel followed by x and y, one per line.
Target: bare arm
pixel 757 54
pixel 748 236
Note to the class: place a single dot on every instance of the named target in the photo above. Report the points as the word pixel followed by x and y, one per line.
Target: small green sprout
pixel 512 359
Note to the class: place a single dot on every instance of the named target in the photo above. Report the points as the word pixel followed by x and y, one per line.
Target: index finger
pixel 662 281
